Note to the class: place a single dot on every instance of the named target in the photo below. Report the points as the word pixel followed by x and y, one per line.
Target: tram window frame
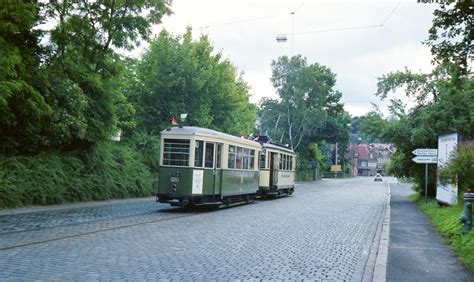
pixel 210 147
pixel 199 147
pixel 170 152
pixel 280 162
pixel 262 160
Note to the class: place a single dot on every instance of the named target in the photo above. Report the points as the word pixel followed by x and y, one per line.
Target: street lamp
pixel 282 37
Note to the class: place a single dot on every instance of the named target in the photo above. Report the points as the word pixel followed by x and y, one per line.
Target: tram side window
pixel 238 159
pixel 209 160
pixel 231 161
pixel 281 162
pixel 245 157
pixel 219 155
pixel 176 152
pixel 252 159
pixel 262 160
pixel 291 162
pixel 198 153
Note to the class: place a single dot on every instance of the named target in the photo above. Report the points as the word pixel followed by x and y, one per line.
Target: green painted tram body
pixel 200 166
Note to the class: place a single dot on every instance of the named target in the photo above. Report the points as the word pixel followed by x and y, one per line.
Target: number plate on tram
pixel 174 179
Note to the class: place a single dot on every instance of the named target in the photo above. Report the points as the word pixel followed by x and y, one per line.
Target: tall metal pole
pixel 292 33
pixel 426 182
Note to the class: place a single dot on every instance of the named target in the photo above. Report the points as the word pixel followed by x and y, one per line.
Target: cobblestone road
pixel 326 231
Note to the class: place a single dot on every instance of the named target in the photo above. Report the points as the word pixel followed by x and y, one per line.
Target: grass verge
pixel 446 221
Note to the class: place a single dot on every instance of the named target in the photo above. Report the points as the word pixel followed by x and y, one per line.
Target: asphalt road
pixel 325 231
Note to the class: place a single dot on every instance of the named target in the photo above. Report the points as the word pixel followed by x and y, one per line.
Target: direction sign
pixel 425 152
pixel 425 159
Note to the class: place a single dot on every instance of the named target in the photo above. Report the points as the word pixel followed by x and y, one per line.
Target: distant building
pixel 369 159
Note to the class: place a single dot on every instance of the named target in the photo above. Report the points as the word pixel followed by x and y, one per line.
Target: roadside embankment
pixel 104 171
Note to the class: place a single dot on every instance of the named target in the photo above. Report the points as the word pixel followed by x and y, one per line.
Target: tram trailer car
pixel 277 170
pixel 203 167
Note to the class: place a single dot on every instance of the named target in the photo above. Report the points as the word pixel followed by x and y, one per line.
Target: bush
pixel 148 145
pixel 106 171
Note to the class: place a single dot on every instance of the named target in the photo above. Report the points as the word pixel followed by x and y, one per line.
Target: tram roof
pixel 206 132
pixel 278 148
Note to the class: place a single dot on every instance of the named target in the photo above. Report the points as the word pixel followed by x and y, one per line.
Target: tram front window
pixel 176 152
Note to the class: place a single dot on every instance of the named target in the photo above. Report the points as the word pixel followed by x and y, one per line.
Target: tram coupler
pixel 466 218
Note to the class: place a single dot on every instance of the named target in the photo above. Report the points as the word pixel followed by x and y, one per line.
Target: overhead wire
pixel 351 27
pixel 306 32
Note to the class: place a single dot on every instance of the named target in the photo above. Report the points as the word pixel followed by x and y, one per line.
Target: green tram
pixel 199 166
pixel 277 170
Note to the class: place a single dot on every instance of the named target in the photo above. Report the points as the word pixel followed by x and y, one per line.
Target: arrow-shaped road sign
pixel 425 159
pixel 425 152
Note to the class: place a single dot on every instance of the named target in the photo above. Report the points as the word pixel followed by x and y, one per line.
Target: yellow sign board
pixel 336 168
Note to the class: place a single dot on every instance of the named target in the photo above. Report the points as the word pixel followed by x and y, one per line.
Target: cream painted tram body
pixel 277 170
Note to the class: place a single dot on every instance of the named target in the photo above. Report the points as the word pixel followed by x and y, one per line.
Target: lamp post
pixel 292 33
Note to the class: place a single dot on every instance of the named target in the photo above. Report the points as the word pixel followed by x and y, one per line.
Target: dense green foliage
pixel 446 221
pixel 307 111
pixel 178 75
pixel 63 93
pixel 105 171
pixel 449 109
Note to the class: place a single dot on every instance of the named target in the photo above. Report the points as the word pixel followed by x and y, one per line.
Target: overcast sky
pixel 245 32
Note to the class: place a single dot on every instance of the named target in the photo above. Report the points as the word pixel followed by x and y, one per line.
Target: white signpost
pixel 425 152
pixel 425 156
pixel 425 159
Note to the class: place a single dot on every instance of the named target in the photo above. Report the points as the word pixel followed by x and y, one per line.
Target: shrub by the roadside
pixel 105 171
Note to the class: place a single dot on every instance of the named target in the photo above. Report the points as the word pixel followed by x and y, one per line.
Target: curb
pixel 380 269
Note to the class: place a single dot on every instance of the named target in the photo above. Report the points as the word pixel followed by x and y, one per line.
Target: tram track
pixel 3 248
pixel 69 227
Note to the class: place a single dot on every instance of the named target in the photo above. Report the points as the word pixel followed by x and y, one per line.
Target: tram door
pixel 214 154
pixel 273 169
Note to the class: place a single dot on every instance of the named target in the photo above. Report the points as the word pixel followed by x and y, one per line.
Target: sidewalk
pixel 416 252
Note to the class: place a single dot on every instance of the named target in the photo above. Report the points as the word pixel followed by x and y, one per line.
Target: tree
pixel 308 109
pixel 64 93
pixel 178 75
pixel 450 37
pixel 22 106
